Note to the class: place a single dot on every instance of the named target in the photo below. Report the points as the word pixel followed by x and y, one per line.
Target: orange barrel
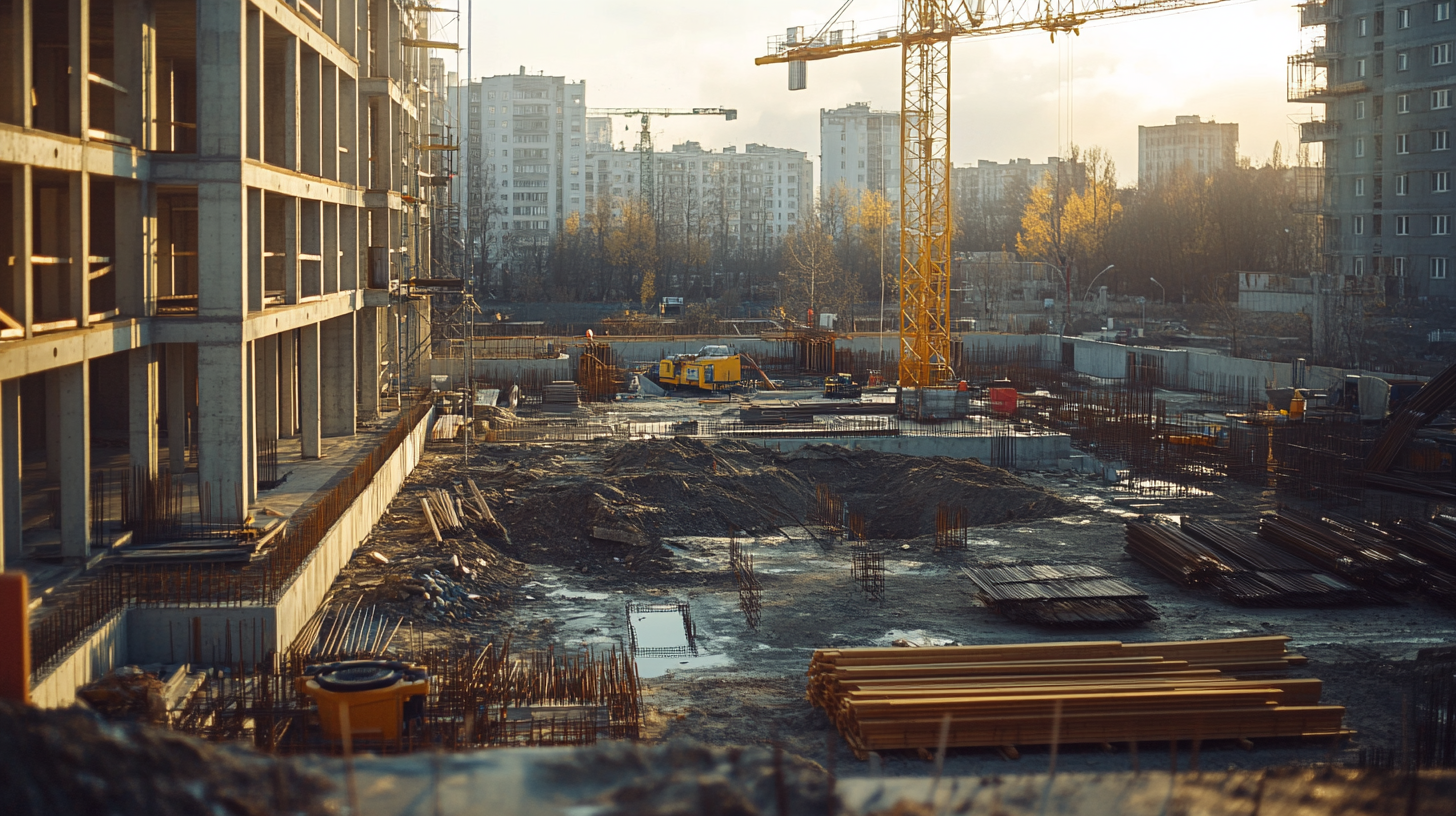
pixel 376 692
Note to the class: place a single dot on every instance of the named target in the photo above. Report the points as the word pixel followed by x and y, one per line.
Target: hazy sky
pixel 1011 97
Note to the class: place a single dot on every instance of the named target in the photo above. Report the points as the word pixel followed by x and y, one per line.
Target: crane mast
pixel 647 173
pixel 924 35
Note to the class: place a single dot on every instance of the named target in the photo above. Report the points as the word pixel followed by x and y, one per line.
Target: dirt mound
pixel 67 761
pixel 684 487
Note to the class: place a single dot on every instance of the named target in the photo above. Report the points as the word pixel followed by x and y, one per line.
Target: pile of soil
pixel 659 489
pixel 681 779
pixel 68 761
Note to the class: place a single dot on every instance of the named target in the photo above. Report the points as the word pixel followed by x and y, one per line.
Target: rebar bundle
pixel 951 530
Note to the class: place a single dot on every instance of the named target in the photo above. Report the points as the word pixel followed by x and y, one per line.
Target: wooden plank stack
pixel 1093 692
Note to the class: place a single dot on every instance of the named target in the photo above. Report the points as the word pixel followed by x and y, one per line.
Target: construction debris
pixel 1061 595
pixel 1062 693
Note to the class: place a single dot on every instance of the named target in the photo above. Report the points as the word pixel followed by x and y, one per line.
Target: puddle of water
pixel 919 637
pixel 658 666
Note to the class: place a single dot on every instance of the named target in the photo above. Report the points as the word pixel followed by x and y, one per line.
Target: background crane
pixel 644 142
pixel 924 34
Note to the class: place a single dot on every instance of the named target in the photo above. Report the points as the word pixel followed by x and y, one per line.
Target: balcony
pixel 1318 130
pixel 1318 14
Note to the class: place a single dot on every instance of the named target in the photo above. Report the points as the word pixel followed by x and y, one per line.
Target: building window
pixel 1403 18
pixel 1440 140
pixel 1402 103
pixel 1357 265
pixel 1438 268
pixel 1441 181
pixel 1440 225
pixel 1359 187
pixel 1359 148
pixel 1357 225
pixel 1402 143
pixel 1360 68
pixel 1441 99
pixel 1362 27
pixel 1360 109
pixel 1402 61
pixel 1443 11
pixel 1402 225
pixel 1402 184
pixel 1441 54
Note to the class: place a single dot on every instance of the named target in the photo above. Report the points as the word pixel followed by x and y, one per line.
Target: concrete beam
pixel 54 151
pixel 308 390
pixel 74 420
pixel 295 23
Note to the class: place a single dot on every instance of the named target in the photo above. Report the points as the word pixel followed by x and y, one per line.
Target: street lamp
pixel 1087 293
pixel 1165 291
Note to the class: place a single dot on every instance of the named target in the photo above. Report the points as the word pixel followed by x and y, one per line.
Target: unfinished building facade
pixel 207 205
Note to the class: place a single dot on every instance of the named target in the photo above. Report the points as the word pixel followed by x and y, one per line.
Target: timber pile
pixel 560 396
pixel 1094 692
pixel 1241 569
pixel 1063 595
pixel 447 514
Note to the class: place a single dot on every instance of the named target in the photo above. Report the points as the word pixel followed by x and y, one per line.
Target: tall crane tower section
pixel 644 141
pixel 924 35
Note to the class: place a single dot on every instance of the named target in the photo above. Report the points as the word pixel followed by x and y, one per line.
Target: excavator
pixel 712 368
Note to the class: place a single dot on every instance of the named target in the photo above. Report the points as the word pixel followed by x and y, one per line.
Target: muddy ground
pixel 554 583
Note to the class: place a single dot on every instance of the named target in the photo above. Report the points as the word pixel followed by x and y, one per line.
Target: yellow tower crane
pixel 647 172
pixel 924 35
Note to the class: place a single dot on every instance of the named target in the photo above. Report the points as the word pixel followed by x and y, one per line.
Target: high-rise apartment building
pixel 525 141
pixel 988 182
pixel 1385 75
pixel 205 205
pixel 860 149
pixel 1189 144
pixel 762 192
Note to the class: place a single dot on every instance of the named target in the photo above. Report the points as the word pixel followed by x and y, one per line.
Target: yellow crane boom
pixel 924 34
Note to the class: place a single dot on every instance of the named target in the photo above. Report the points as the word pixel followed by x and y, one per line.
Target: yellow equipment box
pixel 379 694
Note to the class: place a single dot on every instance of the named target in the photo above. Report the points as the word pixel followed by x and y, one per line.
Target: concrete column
pixel 136 236
pixel 74 418
pixel 287 385
pixel 130 67
pixel 176 408
pixel 79 17
pixel 79 246
pixel 10 472
pixel 22 234
pixel 349 125
pixel 308 389
pixel 221 65
pixel 15 105
pixel 250 435
pixel 266 360
pixel 142 377
pixel 339 379
pixel 222 232
pixel 329 120
pixel 310 125
pixel 290 104
pixel 53 425
pixel 253 85
pixel 368 345
pixel 255 273
pixel 292 283
pixel 223 425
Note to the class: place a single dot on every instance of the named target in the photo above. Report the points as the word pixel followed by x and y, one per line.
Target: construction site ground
pixel 670 506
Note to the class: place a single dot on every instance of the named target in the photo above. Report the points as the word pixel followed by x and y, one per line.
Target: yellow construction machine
pixel 712 368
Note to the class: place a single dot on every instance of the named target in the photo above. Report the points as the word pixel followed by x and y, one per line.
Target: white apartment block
pixel 988 182
pixel 525 142
pixel 1202 147
pixel 860 148
pixel 761 192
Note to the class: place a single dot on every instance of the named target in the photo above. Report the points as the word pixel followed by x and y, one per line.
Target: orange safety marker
pixel 14 637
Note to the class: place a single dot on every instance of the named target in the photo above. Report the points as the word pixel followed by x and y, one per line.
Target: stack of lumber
pixel 1094 692
pixel 560 396
pixel 1061 595
pixel 442 511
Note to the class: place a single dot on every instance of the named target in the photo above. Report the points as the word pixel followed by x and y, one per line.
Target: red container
pixel 1003 401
